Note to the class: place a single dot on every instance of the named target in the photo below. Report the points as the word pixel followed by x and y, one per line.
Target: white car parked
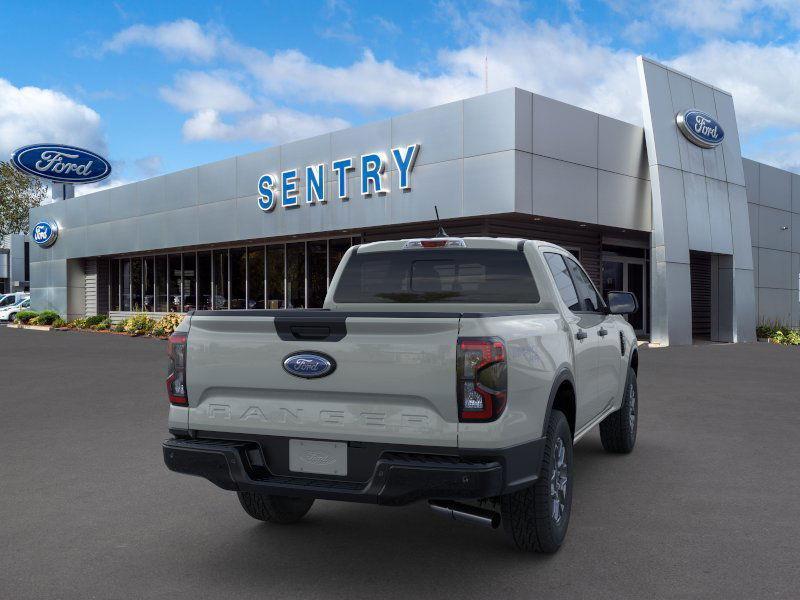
pixel 13 298
pixel 7 313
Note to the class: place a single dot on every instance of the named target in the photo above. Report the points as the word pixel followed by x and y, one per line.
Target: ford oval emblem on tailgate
pixel 309 365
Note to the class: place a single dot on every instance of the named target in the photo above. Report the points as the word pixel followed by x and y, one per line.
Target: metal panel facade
pixel 698 204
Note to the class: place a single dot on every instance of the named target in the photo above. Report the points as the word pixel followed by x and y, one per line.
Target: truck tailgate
pixel 394 380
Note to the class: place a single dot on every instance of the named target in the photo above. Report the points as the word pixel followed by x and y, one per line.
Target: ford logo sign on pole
pixel 309 365
pixel 700 128
pixel 44 233
pixel 63 164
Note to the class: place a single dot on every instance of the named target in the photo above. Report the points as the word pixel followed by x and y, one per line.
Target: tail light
pixel 176 379
pixel 482 381
pixel 435 243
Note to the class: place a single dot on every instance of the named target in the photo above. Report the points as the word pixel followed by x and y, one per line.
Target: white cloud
pixel 197 90
pixel 278 125
pixel 30 114
pixel 181 38
pixel 764 80
pixel 150 166
pixel 562 62
pixel 112 182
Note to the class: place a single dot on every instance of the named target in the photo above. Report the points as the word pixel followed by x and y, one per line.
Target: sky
pixel 160 86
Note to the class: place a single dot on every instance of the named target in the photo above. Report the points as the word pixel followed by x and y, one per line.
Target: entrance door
pixel 626 274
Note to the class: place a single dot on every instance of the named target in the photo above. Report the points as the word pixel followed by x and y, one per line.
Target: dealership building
pixel 709 242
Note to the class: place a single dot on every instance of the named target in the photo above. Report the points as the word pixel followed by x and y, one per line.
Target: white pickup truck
pixel 457 371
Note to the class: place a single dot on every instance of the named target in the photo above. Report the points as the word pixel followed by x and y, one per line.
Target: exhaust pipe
pixel 465 513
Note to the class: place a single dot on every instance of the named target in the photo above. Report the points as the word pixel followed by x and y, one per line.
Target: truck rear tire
pixel 618 430
pixel 274 509
pixel 537 517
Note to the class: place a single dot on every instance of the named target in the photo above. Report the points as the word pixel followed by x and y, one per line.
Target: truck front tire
pixel 537 517
pixel 274 509
pixel 618 430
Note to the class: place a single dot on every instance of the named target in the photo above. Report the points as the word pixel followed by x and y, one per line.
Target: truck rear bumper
pixel 400 475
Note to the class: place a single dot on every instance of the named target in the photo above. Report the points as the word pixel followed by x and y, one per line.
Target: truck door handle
pixel 602 333
pixel 581 335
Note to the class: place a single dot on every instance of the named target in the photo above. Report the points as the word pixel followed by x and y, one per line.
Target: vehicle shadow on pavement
pixel 407 551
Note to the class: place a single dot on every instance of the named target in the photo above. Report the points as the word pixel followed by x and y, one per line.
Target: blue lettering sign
pixel 341 167
pixel 315 184
pixel 266 192
pixel 404 158
pixel 286 189
pixel 289 193
pixel 372 167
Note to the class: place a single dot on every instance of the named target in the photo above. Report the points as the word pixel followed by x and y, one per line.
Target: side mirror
pixel 622 303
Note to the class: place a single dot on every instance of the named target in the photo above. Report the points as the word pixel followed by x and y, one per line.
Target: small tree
pixel 18 194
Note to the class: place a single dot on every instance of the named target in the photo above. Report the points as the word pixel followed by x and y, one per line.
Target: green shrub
pixel 24 316
pixel 138 324
pixel 59 322
pixel 119 327
pixel 779 333
pixel 95 320
pixel 167 324
pixel 46 317
pixel 103 325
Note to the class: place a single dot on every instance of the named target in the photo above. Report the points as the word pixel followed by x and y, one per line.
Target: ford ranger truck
pixel 454 371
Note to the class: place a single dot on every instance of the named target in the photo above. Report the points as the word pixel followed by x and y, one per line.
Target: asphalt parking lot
pixel 706 506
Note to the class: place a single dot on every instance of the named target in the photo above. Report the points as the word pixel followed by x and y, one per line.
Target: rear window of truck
pixel 438 275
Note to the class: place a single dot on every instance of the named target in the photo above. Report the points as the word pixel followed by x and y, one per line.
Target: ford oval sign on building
pixel 65 164
pixel 700 128
pixel 309 365
pixel 45 233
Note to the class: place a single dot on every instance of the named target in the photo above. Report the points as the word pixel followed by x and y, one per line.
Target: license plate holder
pixel 317 457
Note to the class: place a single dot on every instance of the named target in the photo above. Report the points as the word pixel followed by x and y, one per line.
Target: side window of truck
pixel 589 299
pixel 563 280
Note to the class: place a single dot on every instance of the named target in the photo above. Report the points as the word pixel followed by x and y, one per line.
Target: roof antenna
pixel 441 232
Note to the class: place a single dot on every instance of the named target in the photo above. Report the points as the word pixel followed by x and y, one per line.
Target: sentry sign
pixel 284 189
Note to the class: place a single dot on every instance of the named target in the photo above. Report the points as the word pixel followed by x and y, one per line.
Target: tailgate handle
pixel 310 332
pixel 311 329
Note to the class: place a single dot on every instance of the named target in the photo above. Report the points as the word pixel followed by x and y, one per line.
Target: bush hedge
pixel 24 316
pixel 167 324
pixel 138 324
pixel 46 317
pixel 779 333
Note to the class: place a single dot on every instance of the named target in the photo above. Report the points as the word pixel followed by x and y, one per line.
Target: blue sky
pixel 159 86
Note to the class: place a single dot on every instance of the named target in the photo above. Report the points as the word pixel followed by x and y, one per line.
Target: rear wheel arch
pixel 562 398
pixel 635 361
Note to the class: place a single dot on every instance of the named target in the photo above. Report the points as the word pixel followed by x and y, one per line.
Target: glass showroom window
pixel 189 281
pixel 174 283
pixel 219 281
pixel 317 273
pixel 161 283
pixel 336 250
pixel 204 280
pixel 126 284
pixel 148 282
pixel 296 275
pixel 256 277
pixel 136 284
pixel 238 278
pixel 113 279
pixel 275 276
